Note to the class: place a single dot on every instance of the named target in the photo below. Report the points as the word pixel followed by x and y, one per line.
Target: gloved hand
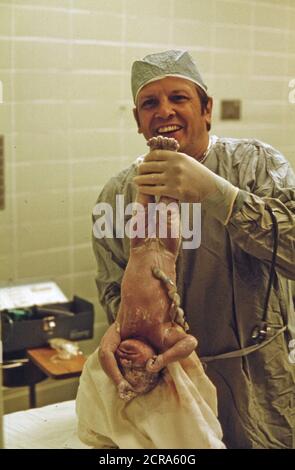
pixel 177 175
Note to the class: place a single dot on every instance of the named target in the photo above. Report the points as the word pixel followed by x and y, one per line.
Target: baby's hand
pixel 155 364
pixel 125 390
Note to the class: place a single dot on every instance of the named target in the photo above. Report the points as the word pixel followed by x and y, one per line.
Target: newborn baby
pixel 145 388
pixel 150 330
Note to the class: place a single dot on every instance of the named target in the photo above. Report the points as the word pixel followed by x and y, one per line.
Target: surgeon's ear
pixel 208 112
pixel 136 117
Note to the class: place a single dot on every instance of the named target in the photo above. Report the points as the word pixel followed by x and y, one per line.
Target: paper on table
pixel 26 295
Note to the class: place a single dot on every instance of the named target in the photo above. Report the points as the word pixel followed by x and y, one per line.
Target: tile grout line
pixel 123 108
pixel 14 204
pixel 70 166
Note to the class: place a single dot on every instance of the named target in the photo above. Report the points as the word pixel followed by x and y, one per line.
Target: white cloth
pixel 49 427
pixel 179 413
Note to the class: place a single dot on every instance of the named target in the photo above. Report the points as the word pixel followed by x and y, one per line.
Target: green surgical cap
pixel 171 63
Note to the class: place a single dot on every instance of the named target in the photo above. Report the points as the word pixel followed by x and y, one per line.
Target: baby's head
pixel 132 356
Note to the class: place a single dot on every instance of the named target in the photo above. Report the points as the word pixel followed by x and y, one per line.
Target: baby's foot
pixel 163 143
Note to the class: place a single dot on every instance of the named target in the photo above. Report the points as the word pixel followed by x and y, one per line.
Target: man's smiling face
pixel 171 107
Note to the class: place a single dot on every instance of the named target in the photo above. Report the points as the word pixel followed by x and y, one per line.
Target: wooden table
pixel 56 368
pixel 53 366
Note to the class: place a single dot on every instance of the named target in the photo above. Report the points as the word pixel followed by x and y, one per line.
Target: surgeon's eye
pixel 149 103
pixel 179 98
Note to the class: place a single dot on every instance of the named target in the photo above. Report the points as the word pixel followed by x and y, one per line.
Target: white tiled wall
pixel 67 119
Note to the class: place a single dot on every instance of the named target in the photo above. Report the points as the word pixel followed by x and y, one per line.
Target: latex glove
pixel 179 176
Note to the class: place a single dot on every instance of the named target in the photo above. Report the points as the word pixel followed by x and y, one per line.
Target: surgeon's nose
pixel 165 110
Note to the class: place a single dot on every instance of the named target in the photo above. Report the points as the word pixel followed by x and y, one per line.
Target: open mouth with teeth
pixel 168 130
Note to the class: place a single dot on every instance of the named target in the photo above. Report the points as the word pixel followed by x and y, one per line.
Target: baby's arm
pixel 106 353
pixel 178 345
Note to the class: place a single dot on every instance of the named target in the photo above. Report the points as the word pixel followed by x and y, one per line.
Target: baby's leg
pixel 168 230
pixel 177 344
pixel 150 226
pixel 142 218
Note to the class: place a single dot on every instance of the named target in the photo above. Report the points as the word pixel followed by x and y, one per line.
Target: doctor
pixel 245 188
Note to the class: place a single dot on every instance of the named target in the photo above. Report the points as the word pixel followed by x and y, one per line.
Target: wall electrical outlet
pixel 230 109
